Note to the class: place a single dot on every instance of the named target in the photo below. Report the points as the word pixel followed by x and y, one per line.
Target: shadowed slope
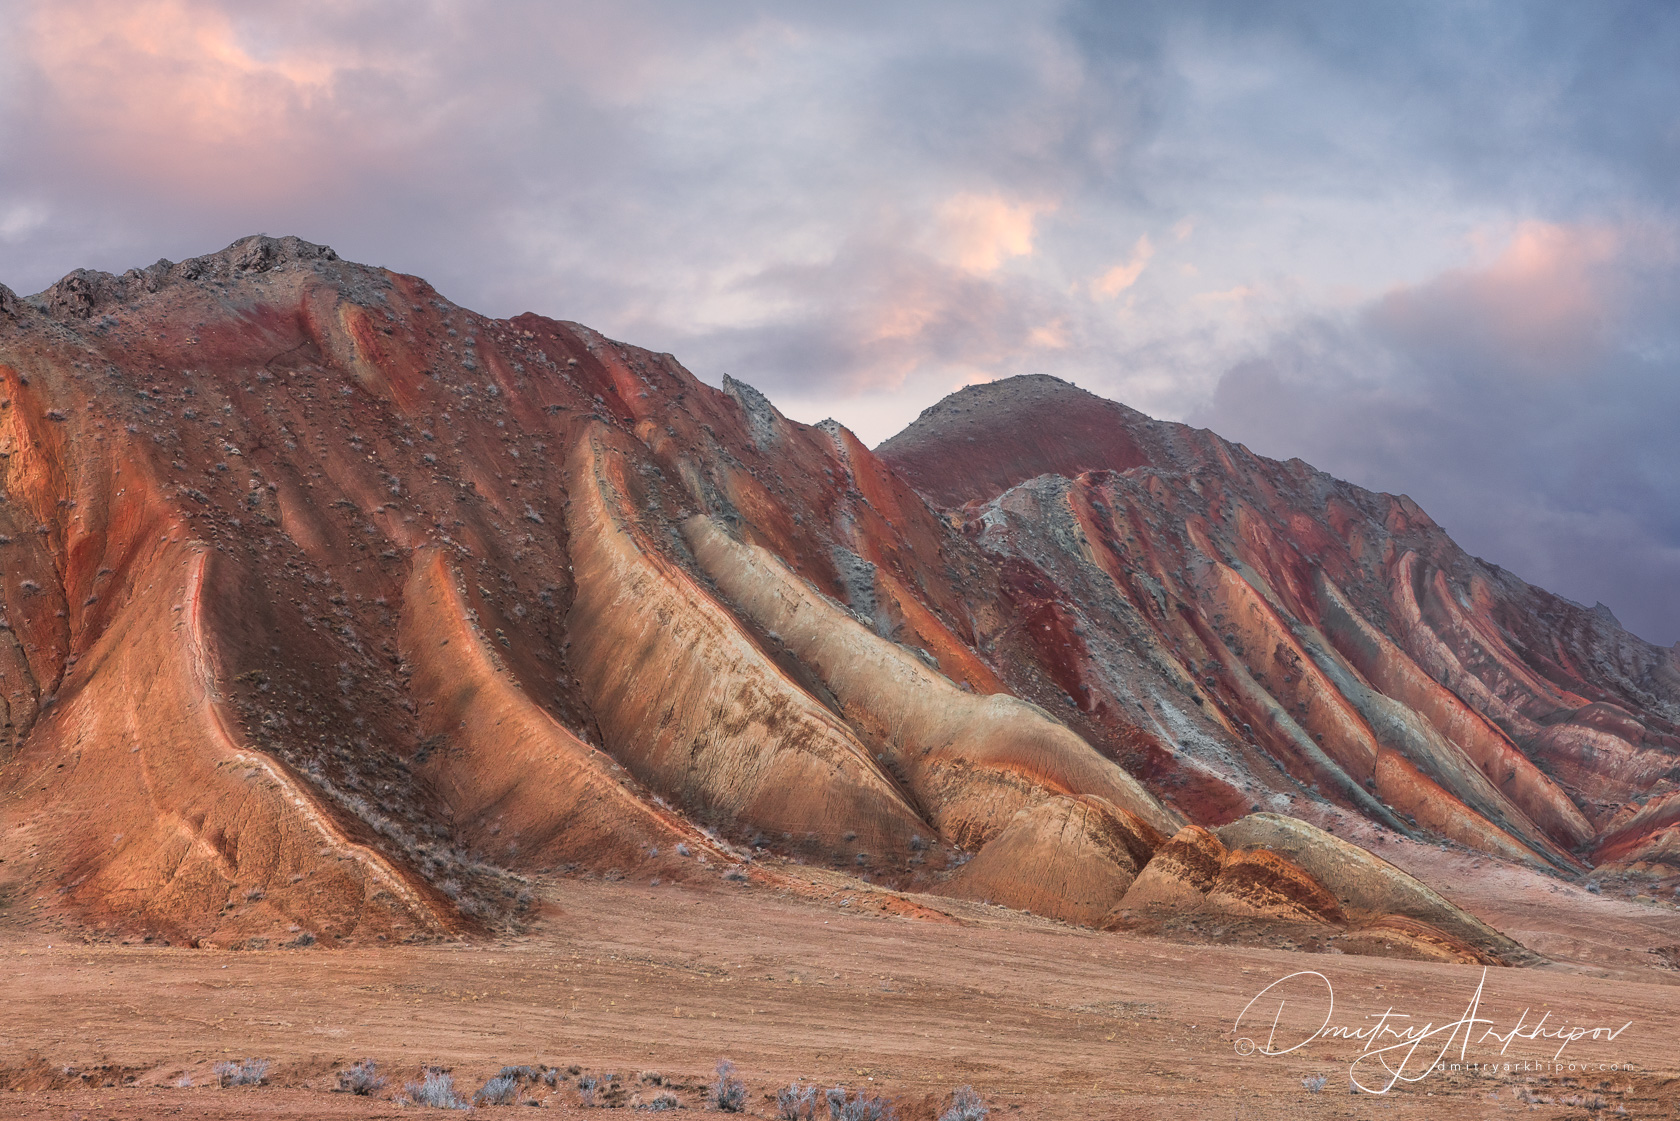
pixel 522 787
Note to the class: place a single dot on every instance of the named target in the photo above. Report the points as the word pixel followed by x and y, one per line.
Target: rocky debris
pixel 259 253
pixel 76 295
pixel 763 420
pixel 85 291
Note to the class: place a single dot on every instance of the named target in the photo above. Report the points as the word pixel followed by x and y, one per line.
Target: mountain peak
pixel 985 438
pixel 82 292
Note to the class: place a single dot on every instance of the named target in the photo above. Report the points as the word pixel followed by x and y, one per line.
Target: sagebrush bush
pixel 729 1093
pixel 862 1108
pixel 796 1103
pixel 966 1105
pixel 437 1090
pixel 250 1072
pixel 587 1089
pixel 500 1090
pixel 666 1100
pixel 362 1079
pixel 1315 1082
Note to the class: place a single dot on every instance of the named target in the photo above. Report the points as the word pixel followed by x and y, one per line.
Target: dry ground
pixel 1047 1021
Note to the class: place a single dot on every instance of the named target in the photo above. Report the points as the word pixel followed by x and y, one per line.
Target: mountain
pixel 334 611
pixel 1330 642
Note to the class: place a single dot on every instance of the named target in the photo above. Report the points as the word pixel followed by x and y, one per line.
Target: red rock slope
pixel 332 610
pixel 1296 638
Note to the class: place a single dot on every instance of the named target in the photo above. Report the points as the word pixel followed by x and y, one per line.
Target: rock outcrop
pixel 1283 871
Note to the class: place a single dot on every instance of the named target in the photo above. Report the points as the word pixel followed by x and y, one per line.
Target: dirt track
pixel 1046 1020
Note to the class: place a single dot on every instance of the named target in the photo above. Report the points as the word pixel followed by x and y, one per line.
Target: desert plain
pixel 804 975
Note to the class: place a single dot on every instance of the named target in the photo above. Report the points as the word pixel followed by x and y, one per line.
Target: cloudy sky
pixel 1434 249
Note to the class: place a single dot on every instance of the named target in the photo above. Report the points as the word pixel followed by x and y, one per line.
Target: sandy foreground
pixel 816 979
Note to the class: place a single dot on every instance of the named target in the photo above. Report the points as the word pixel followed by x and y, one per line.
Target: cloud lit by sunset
pixel 1122 276
pixel 981 232
pixel 1543 300
pixel 1183 207
pixel 167 85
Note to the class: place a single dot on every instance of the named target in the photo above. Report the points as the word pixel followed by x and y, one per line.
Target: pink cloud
pixel 170 92
pixel 1122 276
pixel 980 232
pixel 1542 303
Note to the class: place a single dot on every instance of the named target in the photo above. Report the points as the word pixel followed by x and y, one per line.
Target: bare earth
pixel 832 984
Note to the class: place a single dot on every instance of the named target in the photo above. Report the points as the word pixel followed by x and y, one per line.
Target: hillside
pixel 1317 629
pixel 334 611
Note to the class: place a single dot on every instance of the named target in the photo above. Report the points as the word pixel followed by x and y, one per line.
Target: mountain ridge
pixel 986 416
pixel 344 610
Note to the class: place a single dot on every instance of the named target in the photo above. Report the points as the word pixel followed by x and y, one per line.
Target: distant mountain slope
pixel 1337 632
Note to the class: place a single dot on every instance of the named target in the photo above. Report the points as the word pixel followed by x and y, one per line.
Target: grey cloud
pixel 881 308
pixel 1556 461
pixel 1433 111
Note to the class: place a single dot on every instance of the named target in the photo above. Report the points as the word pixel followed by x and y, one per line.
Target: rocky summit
pixel 333 610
